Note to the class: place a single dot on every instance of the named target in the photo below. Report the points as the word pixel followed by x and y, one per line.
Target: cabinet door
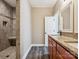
pixel 50 51
pixel 50 48
pixel 65 54
pixel 58 56
pixel 54 49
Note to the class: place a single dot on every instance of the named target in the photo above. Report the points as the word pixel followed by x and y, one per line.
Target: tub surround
pixel 70 44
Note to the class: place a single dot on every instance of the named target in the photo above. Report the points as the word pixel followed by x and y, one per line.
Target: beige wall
pixel 38 15
pixel 57 6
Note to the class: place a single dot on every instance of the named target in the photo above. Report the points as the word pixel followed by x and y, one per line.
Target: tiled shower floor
pixel 9 53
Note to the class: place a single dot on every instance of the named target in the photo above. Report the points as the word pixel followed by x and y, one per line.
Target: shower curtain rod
pixel 7 16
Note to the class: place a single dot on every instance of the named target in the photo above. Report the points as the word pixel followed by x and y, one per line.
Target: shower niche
pixel 4 23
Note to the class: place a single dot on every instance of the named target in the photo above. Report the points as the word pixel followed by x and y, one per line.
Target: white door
pixel 51 27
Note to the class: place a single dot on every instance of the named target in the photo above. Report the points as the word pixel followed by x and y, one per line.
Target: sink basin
pixel 71 41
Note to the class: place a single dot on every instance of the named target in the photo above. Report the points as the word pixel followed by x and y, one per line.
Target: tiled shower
pixel 7 31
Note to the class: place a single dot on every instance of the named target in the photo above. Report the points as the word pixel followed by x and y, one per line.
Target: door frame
pixel 17 29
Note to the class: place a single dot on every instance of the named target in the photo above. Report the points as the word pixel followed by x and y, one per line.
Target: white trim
pixel 37 44
pixel 25 55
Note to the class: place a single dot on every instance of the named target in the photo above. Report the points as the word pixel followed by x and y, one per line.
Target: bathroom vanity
pixel 60 49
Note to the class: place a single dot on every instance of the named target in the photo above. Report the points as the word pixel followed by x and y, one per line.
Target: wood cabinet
pixel 56 51
pixel 65 54
pixel 50 48
pixel 58 56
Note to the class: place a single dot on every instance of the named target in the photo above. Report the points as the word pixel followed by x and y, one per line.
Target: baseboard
pixel 24 57
pixel 37 44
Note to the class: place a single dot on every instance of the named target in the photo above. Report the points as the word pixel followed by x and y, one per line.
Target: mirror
pixel 69 19
pixel 66 20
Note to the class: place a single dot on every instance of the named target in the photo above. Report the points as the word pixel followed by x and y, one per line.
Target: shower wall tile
pixel 4 33
pixel 14 22
pixel 14 13
pixel 10 29
pixel 4 8
pixel 4 30
pixel 14 27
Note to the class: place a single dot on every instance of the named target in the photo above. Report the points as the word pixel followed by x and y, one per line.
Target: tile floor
pixel 9 53
pixel 38 52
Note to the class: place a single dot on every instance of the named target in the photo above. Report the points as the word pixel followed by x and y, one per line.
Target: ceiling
pixel 11 2
pixel 42 3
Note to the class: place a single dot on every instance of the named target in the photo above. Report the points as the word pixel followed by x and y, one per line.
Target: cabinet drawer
pixel 65 54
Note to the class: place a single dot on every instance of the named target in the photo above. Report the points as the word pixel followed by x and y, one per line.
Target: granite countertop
pixel 67 42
